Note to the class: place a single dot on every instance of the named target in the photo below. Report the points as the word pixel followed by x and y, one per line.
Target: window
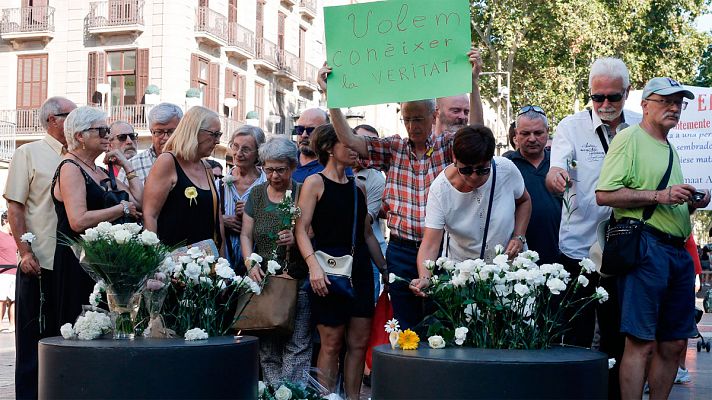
pixel 260 102
pixel 235 88
pixel 31 81
pixel 204 76
pixel 121 73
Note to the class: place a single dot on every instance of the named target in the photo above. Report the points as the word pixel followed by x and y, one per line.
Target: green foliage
pixel 548 46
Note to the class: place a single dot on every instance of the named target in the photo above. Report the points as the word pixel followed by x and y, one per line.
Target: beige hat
pixel 595 253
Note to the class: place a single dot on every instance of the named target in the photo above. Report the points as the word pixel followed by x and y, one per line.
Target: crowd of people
pixel 441 191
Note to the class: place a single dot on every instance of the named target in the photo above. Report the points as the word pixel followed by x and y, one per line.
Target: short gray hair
pixel 532 115
pixel 78 120
pixel 428 103
pixel 51 106
pixel 279 148
pixel 609 67
pixel 163 113
pixel 249 130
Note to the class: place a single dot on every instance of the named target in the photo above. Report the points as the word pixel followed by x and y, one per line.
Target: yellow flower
pixel 408 340
pixel 191 193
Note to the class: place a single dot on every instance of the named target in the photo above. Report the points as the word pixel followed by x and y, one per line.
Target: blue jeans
pixel 408 309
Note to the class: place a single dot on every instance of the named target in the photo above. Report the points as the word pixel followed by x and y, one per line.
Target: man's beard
pixel 608 114
pixel 305 148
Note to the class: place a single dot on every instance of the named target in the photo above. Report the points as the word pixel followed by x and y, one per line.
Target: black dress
pixel 72 284
pixel 332 224
pixel 183 221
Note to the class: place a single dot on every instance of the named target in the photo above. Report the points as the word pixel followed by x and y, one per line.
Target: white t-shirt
pixel 463 215
pixel 576 139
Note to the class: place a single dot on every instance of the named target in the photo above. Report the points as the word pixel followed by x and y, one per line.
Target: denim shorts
pixel 658 296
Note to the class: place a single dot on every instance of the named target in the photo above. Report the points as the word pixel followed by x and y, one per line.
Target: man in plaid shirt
pixel 412 164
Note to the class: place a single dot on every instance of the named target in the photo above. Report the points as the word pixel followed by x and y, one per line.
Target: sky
pixel 704 23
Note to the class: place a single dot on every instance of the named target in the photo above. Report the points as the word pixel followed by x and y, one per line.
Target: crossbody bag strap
pixel 112 177
pixel 601 135
pixel 489 209
pixel 216 207
pixel 353 231
pixel 649 210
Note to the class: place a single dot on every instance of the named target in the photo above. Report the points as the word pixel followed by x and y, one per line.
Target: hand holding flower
pixel 285 238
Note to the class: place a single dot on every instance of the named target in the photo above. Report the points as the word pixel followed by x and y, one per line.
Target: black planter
pixel 468 373
pixel 219 367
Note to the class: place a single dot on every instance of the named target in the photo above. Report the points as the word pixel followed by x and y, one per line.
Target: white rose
pixel 583 280
pixel 273 267
pixel 283 393
pixel 436 342
pixel 67 331
pixel 601 294
pixel 556 285
pixel 149 238
pixel 460 335
pixel 90 235
pixel 104 227
pixel 121 236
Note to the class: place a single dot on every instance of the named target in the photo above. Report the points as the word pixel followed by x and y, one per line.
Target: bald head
pixel 452 113
pixel 309 119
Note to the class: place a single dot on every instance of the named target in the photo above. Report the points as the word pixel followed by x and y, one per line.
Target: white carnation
pixel 149 238
pixel 104 227
pixel 196 334
pixel 521 289
pixel 583 280
pixel 224 271
pixel 601 294
pixel 67 331
pixel 193 271
pixel 210 259
pixel 460 335
pixel 587 265
pixel 498 249
pixel 133 227
pixel 196 252
pixel 255 258
pixel 555 285
pixel 28 237
pixel 273 267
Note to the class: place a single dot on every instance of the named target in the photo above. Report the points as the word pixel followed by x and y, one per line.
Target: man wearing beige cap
pixel 657 295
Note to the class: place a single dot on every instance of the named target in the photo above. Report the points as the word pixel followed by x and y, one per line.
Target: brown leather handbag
pixel 273 310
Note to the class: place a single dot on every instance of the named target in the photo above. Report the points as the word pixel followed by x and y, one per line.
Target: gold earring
pixel 83 146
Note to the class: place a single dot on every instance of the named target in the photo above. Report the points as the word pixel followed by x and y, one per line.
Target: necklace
pixel 93 168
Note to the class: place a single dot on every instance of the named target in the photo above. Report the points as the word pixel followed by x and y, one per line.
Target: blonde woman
pixel 180 198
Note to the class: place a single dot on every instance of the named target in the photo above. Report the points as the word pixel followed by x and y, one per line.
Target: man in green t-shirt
pixel 657 296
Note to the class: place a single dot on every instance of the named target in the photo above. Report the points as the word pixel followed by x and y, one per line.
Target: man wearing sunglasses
pixel 532 159
pixel 162 121
pixel 123 138
pixel 657 295
pixel 308 162
pixel 30 209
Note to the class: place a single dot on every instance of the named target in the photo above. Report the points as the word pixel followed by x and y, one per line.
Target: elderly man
pixel 657 295
pixel 122 137
pixel 412 164
pixel 162 121
pixel 30 209
pixel 308 163
pixel 452 113
pixel 532 160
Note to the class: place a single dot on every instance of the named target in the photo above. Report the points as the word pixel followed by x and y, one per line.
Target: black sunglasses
pixel 469 170
pixel 600 98
pixel 123 136
pixel 299 130
pixel 58 115
pixel 528 108
pixel 102 130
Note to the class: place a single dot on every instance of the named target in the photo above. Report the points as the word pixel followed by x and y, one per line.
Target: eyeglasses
pixel 279 171
pixel 102 130
pixel 214 134
pixel 243 150
pixel 121 137
pixel 299 130
pixel 668 103
pixel 528 108
pixel 469 170
pixel 414 120
pixel 219 176
pixel 63 115
pixel 162 132
pixel 600 98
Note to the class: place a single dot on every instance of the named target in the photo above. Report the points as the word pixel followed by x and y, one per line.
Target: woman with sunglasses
pixel 181 200
pixel 462 200
pixel 78 198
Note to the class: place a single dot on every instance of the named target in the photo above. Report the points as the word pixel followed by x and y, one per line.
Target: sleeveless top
pixel 267 222
pixel 184 221
pixel 334 217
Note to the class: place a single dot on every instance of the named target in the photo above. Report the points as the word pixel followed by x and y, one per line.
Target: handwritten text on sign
pixel 392 51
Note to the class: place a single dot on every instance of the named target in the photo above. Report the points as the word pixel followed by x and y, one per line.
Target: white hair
pixel 428 103
pixel 249 130
pixel 279 148
pixel 163 113
pixel 51 106
pixel 533 116
pixel 80 119
pixel 609 67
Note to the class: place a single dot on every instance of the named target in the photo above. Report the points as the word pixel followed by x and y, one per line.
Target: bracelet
pixel 131 175
pixel 305 258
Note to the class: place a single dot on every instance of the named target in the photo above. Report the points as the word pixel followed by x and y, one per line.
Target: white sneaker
pixel 683 376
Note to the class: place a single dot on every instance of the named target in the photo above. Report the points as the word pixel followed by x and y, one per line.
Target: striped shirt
pixel 408 178
pixel 141 163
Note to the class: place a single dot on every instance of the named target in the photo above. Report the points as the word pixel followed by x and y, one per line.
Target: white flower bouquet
pixel 90 325
pixel 121 256
pixel 503 305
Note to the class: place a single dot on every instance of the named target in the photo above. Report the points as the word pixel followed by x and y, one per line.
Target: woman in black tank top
pixel 180 198
pixel 327 204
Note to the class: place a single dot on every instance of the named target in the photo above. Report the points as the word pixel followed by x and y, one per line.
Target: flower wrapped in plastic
pixel 89 325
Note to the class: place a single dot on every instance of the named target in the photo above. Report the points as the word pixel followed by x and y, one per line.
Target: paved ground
pixel 699 365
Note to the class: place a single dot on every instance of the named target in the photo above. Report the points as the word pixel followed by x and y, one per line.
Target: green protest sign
pixel 391 51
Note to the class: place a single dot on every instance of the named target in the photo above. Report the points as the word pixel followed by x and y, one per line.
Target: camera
pixel 698 196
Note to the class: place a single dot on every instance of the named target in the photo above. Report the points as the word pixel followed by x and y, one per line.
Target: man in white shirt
pixel 577 153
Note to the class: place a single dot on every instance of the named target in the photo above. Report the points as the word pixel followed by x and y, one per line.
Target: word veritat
pixel 364 25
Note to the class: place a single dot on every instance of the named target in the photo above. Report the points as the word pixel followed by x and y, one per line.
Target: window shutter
pixel 141 74
pixel 213 86
pixel 194 71
pixel 91 77
pixel 241 112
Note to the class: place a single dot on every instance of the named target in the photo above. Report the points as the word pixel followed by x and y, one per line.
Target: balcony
pixel 7 140
pixel 26 123
pixel 266 57
pixel 241 42
pixel 307 9
pixel 307 78
pixel 27 24
pixel 288 66
pixel 228 125
pixel 288 3
pixel 211 27
pixel 134 114
pixel 115 17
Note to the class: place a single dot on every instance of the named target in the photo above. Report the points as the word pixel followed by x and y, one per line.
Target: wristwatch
pixel 520 238
pixel 127 212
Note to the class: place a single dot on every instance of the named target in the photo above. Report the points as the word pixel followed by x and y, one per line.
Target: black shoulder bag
pixel 622 250
pixel 114 196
